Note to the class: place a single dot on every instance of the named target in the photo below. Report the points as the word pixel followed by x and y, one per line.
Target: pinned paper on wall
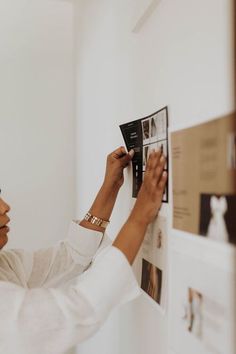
pixel 144 135
pixel 204 179
pixel 202 319
pixel 154 261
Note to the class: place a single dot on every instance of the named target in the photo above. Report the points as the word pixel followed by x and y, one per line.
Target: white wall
pixel 182 57
pixel 37 139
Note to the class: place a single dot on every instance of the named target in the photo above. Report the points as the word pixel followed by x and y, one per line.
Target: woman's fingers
pixel 159 169
pixel 119 152
pixel 125 160
pixel 155 164
pixel 162 182
pixel 155 175
pixel 122 156
pixel 153 160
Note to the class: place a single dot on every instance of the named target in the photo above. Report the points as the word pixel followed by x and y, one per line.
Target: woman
pixel 55 298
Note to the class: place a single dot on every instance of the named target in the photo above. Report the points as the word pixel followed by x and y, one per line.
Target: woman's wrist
pixel 138 220
pixel 111 187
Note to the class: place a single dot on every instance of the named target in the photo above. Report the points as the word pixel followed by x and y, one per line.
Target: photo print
pixel 151 281
pixel 143 135
pixel 231 151
pixel 203 318
pixel 154 248
pixel 159 239
pixel 146 130
pixel 161 123
pixel 154 260
pixel 217 217
pixel 153 124
pixel 209 148
pixel 160 233
pixel 146 153
pixel 193 312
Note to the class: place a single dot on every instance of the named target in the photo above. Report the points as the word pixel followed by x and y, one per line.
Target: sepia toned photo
pixel 193 315
pixel 153 122
pixel 146 130
pixel 145 156
pixel 161 124
pixel 231 151
pixel 159 232
pixel 151 281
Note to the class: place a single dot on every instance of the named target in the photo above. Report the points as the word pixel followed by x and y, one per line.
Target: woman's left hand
pixel 117 161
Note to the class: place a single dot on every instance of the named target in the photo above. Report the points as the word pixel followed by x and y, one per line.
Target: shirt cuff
pixel 83 243
pixel 109 282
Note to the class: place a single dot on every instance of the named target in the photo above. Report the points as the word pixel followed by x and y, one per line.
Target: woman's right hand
pixel 145 209
pixel 150 195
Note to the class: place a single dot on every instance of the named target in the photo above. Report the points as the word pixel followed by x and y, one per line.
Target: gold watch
pixel 96 221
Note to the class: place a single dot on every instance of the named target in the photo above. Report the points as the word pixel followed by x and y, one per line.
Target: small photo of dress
pixel 153 123
pixel 151 281
pixel 217 217
pixel 159 232
pixel 161 124
pixel 145 156
pixel 194 315
pixel 146 131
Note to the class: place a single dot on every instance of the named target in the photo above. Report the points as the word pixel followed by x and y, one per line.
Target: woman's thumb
pixel 127 158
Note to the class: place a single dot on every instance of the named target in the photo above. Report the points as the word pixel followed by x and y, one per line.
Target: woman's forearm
pixel 130 238
pixel 146 207
pixel 104 203
pixel 102 206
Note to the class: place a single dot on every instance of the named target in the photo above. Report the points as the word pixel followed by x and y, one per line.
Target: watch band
pixel 96 221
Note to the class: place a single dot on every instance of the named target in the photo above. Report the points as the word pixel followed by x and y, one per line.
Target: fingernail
pixel 131 153
pixel 164 174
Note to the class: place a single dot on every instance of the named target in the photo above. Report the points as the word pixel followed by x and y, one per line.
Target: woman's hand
pixel 105 200
pixel 4 220
pixel 150 195
pixel 117 161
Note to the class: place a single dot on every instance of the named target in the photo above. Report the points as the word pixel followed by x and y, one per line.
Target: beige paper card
pixel 204 179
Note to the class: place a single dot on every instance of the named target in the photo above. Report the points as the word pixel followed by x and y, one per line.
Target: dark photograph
pixel 146 129
pixel 217 217
pixel 151 280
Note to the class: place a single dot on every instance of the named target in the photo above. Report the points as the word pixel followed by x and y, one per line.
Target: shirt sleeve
pixel 52 320
pixel 54 265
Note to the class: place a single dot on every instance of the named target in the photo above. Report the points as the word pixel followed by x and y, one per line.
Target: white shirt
pixel 49 302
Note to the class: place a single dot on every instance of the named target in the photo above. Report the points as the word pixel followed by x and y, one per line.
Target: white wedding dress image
pixel 217 229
